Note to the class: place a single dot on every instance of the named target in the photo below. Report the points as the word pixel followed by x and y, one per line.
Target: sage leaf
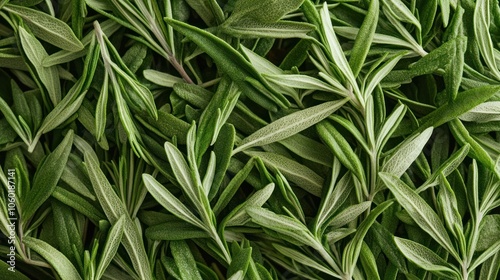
pixel 47 176
pixel 424 257
pixel 289 125
pixel 48 28
pixel 419 210
pixel 57 260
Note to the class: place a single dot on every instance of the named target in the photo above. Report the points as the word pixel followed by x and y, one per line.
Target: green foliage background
pixel 250 139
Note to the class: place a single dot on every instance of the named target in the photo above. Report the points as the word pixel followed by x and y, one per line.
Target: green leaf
pixel 451 164
pixel 369 263
pixel 239 216
pixel 289 125
pixel 308 148
pixel 209 11
pixel 284 225
pixel 353 249
pixel 112 243
pixel 48 28
pixel 170 202
pixel 47 176
pixel 263 10
pixel 13 121
pixel 304 259
pixel 295 172
pixel 79 204
pixel 425 258
pixel 464 102
pixel 184 260
pixel 341 149
pixel 386 242
pixel 161 78
pixel 420 211
pixel 281 29
pixel 114 209
pixel 335 49
pixel 175 230
pixel 406 153
pixel 241 262
pixel 233 186
pixel 481 21
pixel 228 59
pixel 36 54
pixel 349 214
pixel 66 232
pixel 56 259
pixel 364 38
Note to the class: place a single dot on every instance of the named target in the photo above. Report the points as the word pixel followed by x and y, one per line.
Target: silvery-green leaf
pixel 420 211
pixel 284 225
pixel 405 153
pixel 281 29
pixel 295 172
pixel 390 125
pixel 482 16
pixel 57 260
pixel 369 263
pixel 289 125
pixel 447 167
pixel 46 27
pixel 376 77
pixel 401 12
pixel 425 258
pixel 484 112
pixel 378 38
pixel 161 78
pixel 170 202
pixel 114 208
pixel 303 82
pixel 175 230
pixel 335 49
pixel 238 216
pixel 489 270
pixel 305 260
pixel 336 195
pixel 349 214
pixel 112 243
pixel 353 248
pixel 231 62
pixel 36 54
pixel 448 205
pixel 494 249
pixel 477 151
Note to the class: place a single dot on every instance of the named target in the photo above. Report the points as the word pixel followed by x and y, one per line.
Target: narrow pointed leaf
pixel 289 125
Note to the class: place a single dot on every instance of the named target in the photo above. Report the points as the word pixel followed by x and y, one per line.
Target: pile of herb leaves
pixel 250 139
